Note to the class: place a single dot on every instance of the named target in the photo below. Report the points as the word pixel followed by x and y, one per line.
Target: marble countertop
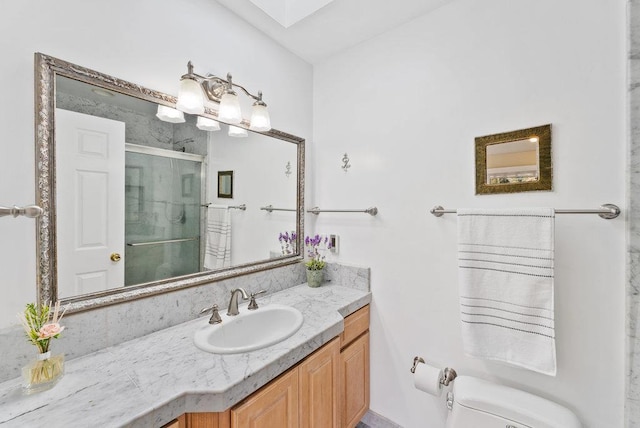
pixel 153 379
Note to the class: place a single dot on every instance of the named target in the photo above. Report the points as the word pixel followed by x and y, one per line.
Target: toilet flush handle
pixel 450 400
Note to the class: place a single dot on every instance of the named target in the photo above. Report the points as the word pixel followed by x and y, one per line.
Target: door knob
pixel 115 257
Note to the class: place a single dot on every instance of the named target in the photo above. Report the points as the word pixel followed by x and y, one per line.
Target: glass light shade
pixel 190 98
pixel 234 131
pixel 260 120
pixel 168 114
pixel 206 124
pixel 230 109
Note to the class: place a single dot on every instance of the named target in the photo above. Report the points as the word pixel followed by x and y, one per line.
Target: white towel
pixel 217 252
pixel 505 260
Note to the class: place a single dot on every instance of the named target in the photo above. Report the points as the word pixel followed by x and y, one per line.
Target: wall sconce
pixel 168 114
pixel 194 87
pixel 206 124
pixel 234 131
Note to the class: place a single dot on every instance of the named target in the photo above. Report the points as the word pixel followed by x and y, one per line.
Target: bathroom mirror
pixel 130 201
pixel 516 161
pixel 225 184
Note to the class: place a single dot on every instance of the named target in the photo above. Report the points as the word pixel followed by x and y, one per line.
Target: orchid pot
pixel 316 246
pixel 315 277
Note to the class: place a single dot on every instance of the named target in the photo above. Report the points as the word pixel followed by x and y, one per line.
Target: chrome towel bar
pixel 31 211
pixel 242 207
pixel 167 241
pixel 271 208
pixel 606 211
pixel 371 210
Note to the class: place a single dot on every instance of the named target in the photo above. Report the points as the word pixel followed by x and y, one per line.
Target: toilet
pixel 475 403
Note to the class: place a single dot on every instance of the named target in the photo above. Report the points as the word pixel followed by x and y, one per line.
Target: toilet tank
pixel 481 404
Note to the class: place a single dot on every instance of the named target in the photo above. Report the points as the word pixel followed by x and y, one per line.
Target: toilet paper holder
pixel 448 374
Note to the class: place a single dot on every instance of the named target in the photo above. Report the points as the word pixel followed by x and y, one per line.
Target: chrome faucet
pixel 233 303
pixel 215 316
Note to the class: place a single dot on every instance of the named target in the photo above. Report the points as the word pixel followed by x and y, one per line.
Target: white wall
pixel 147 42
pixel 406 107
pixel 258 164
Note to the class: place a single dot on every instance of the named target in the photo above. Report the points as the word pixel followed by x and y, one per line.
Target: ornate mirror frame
pixel 544 182
pixel 46 69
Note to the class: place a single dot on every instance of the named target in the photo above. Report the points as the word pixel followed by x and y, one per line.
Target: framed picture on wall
pixel 225 184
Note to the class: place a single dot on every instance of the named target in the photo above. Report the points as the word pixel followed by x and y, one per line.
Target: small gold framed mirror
pixel 516 161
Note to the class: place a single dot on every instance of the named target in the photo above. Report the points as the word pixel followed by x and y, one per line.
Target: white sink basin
pixel 249 330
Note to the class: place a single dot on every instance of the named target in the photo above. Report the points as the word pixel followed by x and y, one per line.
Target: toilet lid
pixel 513 404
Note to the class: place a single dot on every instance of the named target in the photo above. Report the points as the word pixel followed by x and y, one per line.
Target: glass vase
pixel 315 277
pixel 43 372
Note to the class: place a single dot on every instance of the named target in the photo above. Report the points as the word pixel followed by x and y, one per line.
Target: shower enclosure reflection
pixel 163 209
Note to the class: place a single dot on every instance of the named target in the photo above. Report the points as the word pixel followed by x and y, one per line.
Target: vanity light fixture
pixel 235 131
pixel 102 92
pixel 206 124
pixel 194 88
pixel 168 114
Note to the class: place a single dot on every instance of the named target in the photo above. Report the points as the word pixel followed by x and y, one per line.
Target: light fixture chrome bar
pixel 242 207
pixel 215 86
pixel 371 210
pixel 31 211
pixel 606 211
pixel 271 208
pixel 168 241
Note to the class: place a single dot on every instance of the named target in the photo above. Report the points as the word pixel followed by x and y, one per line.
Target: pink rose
pixel 49 330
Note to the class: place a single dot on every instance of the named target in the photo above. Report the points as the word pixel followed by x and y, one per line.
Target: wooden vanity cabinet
pixel 330 388
pixel 319 387
pixel 275 405
pixel 354 368
pixel 207 420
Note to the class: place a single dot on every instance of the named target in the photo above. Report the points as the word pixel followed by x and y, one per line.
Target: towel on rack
pixel 505 267
pixel 217 252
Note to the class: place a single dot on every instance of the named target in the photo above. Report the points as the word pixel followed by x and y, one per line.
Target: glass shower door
pixel 162 215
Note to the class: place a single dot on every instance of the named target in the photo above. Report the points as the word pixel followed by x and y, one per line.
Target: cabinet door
pixel 172 424
pixel 354 381
pixel 276 405
pixel 208 420
pixel 319 390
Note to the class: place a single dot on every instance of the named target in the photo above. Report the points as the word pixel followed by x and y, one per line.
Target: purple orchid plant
pixel 314 245
pixel 288 242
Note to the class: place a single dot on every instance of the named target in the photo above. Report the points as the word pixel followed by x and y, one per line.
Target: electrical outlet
pixel 335 243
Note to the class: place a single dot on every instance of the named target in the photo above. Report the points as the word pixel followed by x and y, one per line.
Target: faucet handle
pixel 215 316
pixel 252 303
pixel 209 309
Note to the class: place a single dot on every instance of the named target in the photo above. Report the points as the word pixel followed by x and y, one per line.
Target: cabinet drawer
pixel 354 325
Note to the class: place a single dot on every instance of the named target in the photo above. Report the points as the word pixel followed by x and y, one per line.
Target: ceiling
pixel 335 25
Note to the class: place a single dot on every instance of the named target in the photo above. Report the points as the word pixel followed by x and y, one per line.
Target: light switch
pixel 335 243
